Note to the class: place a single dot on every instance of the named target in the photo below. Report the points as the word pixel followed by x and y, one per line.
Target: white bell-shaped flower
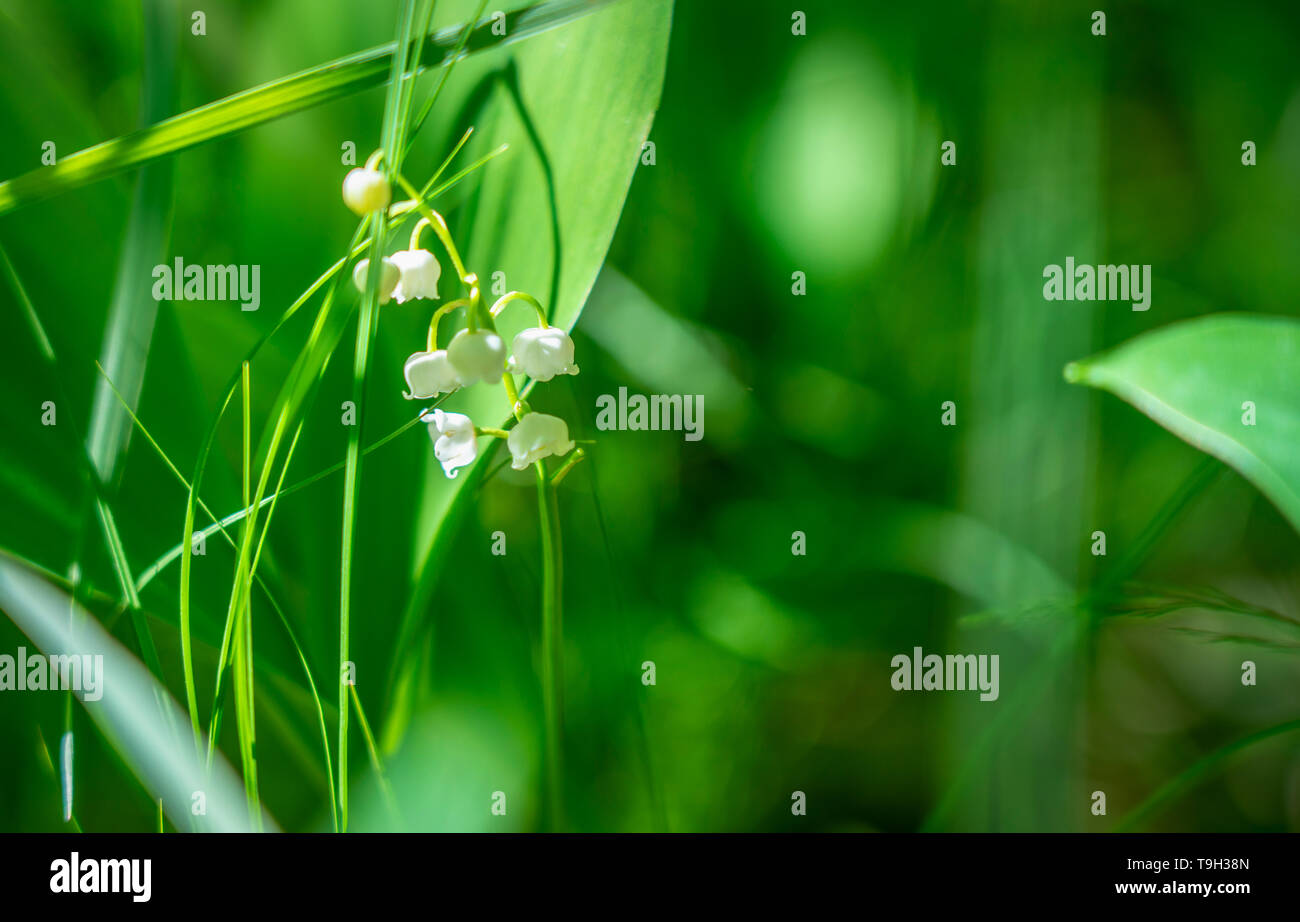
pixel 536 436
pixel 366 190
pixel 542 353
pixel 454 443
pixel 420 272
pixel 429 374
pixel 477 356
pixel 387 282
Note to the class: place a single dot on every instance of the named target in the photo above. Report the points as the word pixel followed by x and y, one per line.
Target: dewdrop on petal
pixel 420 272
pixel 454 443
pixel 478 356
pixel 536 436
pixel 392 275
pixel 366 190
pixel 541 353
pixel 429 374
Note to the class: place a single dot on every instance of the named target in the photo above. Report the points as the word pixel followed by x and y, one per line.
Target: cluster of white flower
pixel 474 354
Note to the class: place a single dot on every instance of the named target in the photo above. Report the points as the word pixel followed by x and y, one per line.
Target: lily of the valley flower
pixel 429 374
pixel 542 353
pixel 366 190
pixel 478 356
pixel 387 282
pixel 420 272
pixel 454 442
pixel 536 436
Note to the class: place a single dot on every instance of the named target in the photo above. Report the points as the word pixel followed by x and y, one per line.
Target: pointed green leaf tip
pixel 1226 384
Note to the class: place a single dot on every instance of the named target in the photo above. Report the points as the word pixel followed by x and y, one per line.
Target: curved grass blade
pixel 245 711
pixel 286 96
pixel 1195 773
pixel 108 524
pixel 129 710
pixel 219 526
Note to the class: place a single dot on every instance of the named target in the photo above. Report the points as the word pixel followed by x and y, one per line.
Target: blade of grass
pixel 123 571
pixel 129 715
pixel 375 762
pixel 127 336
pixel 285 96
pixel 394 133
pixel 305 375
pixel 465 33
pixel 219 526
pixel 131 316
pixel 1195 773
pixel 244 689
pixel 108 525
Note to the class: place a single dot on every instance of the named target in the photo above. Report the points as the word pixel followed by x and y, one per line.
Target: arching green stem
pixel 524 296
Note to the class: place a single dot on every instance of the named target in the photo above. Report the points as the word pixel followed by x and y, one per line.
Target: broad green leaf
pixel 1226 384
pixel 145 725
pixel 575 106
pixel 261 104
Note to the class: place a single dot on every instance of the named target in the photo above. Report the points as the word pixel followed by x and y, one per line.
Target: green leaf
pixel 142 721
pixel 1194 378
pixel 261 104
pixel 575 106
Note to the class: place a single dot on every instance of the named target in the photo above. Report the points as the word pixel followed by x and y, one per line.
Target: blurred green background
pixel 773 154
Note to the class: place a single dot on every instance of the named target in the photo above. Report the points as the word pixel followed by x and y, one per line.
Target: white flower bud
pixel 366 190
pixel 429 374
pixel 454 442
pixel 542 353
pixel 420 272
pixel 478 356
pixel 392 275
pixel 536 436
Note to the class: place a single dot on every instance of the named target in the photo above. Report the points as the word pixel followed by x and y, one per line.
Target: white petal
pixel 537 436
pixel 420 273
pixel 454 442
pixel 429 374
pixel 541 353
